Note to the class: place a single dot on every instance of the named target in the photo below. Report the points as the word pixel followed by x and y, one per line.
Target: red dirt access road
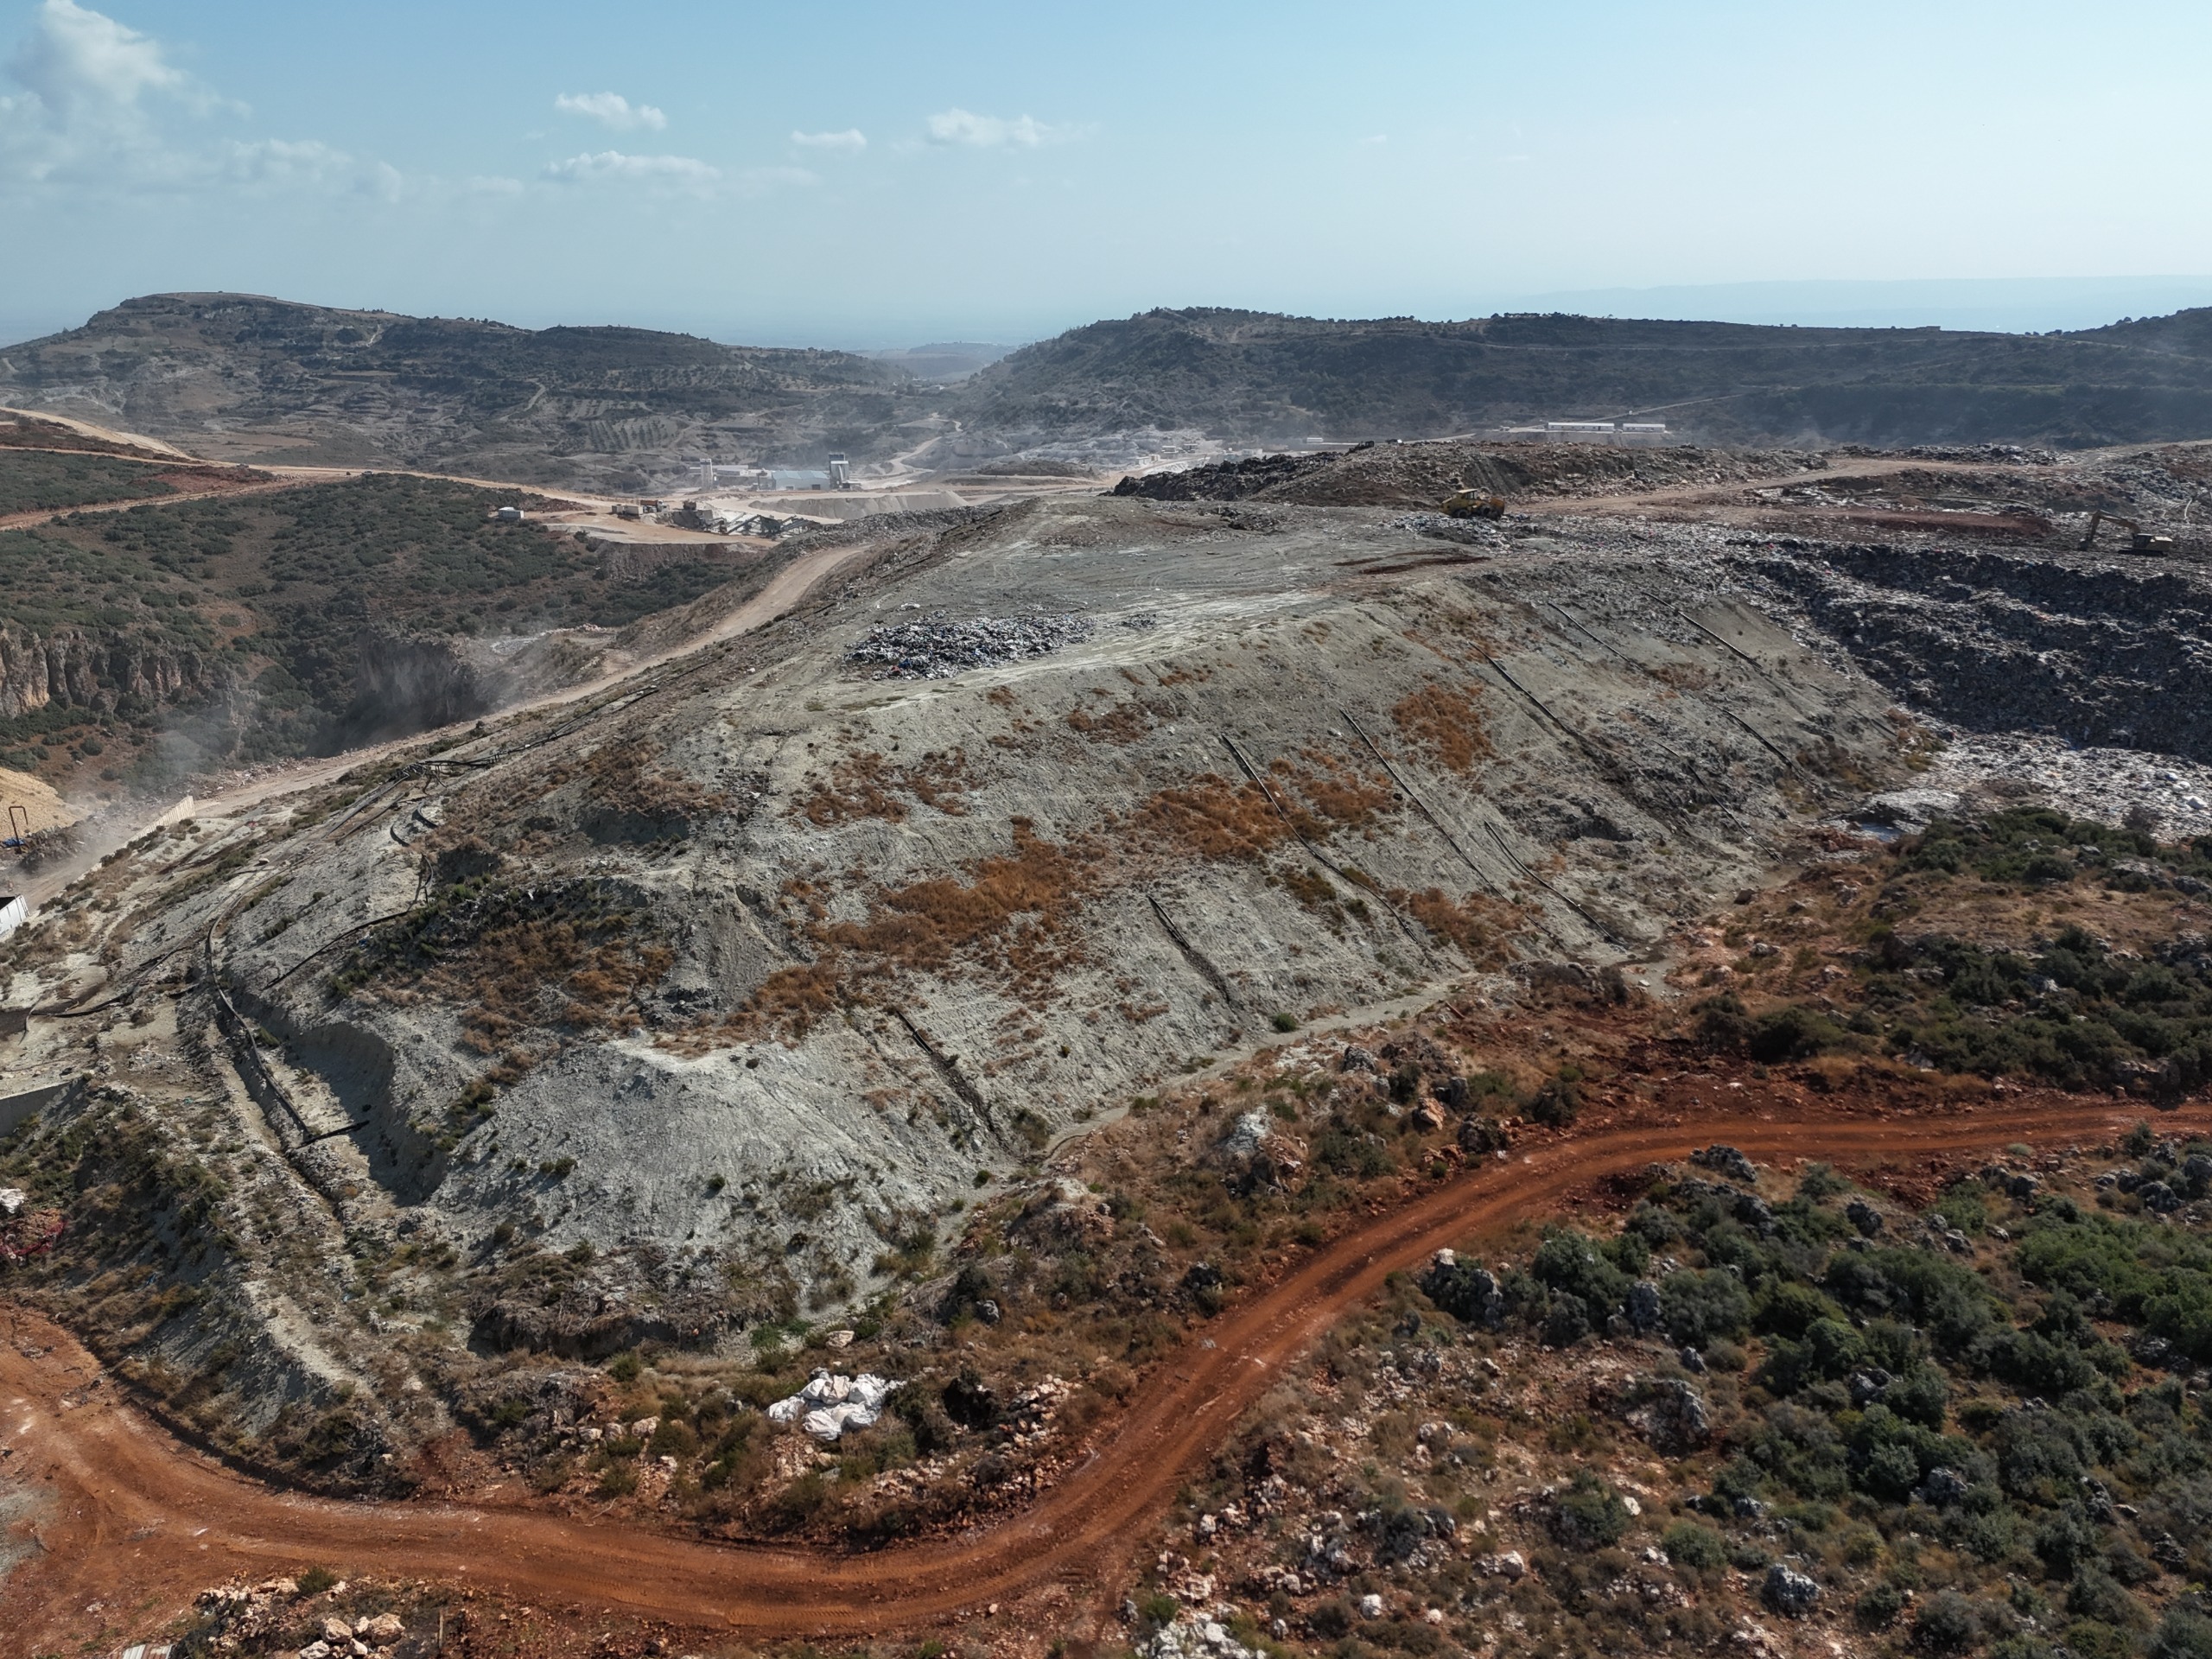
pixel 139 1520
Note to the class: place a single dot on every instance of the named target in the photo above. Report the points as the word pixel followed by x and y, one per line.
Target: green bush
pixel 1701 1307
pixel 1878 1607
pixel 1558 1103
pixel 1946 1623
pixel 2183 1633
pixel 1689 1544
pixel 34 480
pixel 1589 1514
pixel 1570 1262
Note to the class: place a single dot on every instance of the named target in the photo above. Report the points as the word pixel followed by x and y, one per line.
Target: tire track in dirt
pixel 127 1497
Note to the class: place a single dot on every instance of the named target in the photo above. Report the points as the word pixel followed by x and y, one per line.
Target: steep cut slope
pixel 242 378
pixel 1251 376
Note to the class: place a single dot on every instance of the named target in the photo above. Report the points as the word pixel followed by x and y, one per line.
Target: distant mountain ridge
pixel 1254 376
pixel 244 378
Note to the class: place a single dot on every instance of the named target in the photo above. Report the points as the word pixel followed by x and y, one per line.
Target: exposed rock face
pixel 411 683
pixel 1787 1591
pixel 76 669
pixel 1672 1416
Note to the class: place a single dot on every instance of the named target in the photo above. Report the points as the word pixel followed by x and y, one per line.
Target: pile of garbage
pixel 2012 452
pixel 828 1405
pixel 2170 795
pixel 937 646
pixel 1441 527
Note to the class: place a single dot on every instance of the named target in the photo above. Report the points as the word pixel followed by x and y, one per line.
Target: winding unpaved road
pixel 137 1520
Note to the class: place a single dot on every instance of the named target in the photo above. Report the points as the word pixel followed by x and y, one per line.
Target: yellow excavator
pixel 2139 539
pixel 1467 503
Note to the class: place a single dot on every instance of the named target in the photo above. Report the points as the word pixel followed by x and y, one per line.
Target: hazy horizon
pixel 2015 305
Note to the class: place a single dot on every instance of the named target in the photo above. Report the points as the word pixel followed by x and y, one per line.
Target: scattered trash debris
pixel 938 646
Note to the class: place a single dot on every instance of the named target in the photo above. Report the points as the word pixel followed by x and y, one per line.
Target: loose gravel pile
pixel 937 646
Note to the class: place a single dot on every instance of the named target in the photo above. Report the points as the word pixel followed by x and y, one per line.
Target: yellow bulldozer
pixel 1467 503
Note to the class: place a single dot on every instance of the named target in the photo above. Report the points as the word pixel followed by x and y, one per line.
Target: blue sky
pixel 886 174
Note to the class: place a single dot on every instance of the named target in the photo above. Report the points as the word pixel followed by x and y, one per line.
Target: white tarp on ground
pixel 828 1405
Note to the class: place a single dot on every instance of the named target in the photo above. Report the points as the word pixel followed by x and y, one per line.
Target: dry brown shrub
pixel 1475 924
pixel 1338 791
pixel 563 957
pixel 1015 916
pixel 1683 676
pixel 1210 818
pixel 1310 887
pixel 1125 722
pixel 622 782
pixel 927 924
pixel 795 996
pixel 869 786
pixel 1445 722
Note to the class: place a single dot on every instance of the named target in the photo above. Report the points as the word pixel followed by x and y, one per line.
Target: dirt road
pixel 785 589
pixel 137 1519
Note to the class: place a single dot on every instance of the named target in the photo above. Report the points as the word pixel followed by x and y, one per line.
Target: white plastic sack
pixel 828 1405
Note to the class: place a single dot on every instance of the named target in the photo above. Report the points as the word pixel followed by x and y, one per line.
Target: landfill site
pixel 1560 1042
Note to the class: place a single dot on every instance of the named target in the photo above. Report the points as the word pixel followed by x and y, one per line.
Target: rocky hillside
pixel 241 378
pixel 714 1002
pixel 1247 376
pixel 727 993
pixel 141 645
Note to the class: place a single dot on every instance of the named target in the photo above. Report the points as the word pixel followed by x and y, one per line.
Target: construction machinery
pixel 2139 539
pixel 1465 503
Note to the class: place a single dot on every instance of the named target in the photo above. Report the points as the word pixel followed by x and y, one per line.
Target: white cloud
pixel 612 110
pixel 665 175
pixel 614 164
pixel 852 138
pixel 958 126
pixel 102 109
pixel 77 59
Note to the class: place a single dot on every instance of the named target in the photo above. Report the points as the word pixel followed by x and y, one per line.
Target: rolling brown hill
pixel 1249 377
pixel 244 379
